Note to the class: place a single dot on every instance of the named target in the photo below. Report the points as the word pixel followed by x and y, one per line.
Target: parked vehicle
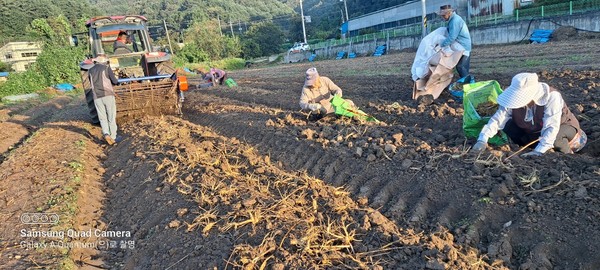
pixel 299 47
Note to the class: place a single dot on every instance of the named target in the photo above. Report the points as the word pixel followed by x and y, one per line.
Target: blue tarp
pixel 380 50
pixel 540 36
pixel 344 28
pixel 3 74
pixel 64 87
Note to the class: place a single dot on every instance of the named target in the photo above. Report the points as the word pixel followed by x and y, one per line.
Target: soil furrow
pixel 22 123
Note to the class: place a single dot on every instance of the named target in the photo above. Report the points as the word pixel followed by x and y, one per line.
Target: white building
pixel 20 54
pixel 410 13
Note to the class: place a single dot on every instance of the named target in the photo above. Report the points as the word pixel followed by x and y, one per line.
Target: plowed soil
pixel 246 180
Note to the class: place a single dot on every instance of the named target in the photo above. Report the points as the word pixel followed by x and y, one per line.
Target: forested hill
pixel 16 15
pixel 184 12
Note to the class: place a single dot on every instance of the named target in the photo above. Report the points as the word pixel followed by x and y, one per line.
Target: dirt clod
pixel 308 134
pixel 390 148
pixel 358 152
pixel 174 224
pixel 406 163
pixel 182 212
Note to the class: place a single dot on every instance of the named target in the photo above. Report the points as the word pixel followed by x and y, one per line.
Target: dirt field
pixel 244 180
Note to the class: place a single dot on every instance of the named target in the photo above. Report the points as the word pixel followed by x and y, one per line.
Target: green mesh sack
pixel 230 82
pixel 344 108
pixel 475 94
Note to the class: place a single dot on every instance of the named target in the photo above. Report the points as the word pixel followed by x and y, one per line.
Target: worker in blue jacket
pixel 459 32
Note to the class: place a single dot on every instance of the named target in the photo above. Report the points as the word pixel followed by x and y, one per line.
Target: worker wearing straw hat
pixel 529 111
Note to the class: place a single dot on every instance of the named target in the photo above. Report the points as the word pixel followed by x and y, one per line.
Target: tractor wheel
pixel 89 97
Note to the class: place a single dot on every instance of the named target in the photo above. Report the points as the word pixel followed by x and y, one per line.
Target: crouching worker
pixel 216 76
pixel 318 92
pixel 530 110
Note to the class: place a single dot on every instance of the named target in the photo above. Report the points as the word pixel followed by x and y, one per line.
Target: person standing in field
pixel 459 32
pixel 102 80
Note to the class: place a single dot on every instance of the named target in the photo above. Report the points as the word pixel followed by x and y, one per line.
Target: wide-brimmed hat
pixel 522 90
pixel 102 59
pixel 444 9
pixel 311 77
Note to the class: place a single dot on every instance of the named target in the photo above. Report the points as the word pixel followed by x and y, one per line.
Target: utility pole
pixel 303 28
pixel 168 38
pixel 219 19
pixel 231 28
pixel 424 21
pixel 346 8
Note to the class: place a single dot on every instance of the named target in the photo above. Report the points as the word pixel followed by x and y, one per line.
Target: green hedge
pixel 23 82
pixel 225 64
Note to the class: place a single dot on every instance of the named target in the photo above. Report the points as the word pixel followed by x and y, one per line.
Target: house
pixel 401 15
pixel 410 13
pixel 20 55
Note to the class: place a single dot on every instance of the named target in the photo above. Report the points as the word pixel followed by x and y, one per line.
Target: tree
pixel 54 31
pixel 60 64
pixel 16 15
pixel 251 49
pixel 263 39
pixel 295 33
pixel 206 43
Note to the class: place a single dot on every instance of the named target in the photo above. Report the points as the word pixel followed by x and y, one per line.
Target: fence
pixel 525 13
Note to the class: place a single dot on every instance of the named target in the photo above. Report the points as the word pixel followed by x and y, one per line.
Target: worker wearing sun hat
pixel 317 92
pixel 530 110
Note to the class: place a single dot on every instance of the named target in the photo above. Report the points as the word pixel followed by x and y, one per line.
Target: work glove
pixel 532 154
pixel 479 146
pixel 315 107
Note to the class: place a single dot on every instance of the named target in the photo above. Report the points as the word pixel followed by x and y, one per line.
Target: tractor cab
pixel 133 57
pixel 105 38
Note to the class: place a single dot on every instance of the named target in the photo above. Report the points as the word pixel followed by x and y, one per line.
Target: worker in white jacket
pixel 530 110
